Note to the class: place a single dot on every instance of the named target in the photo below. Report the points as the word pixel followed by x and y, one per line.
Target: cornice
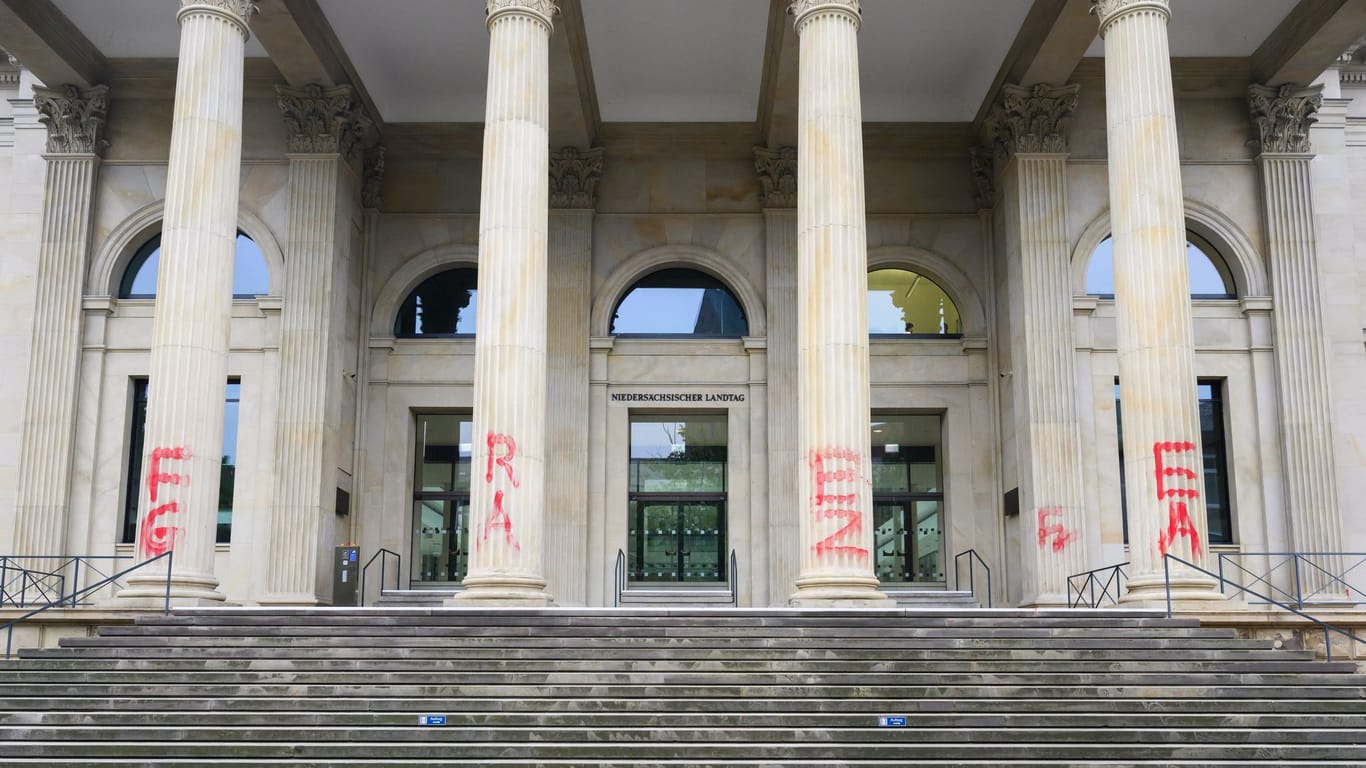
pixel 802 10
pixel 1283 115
pixel 1110 11
pixel 543 11
pixel 777 169
pixel 74 117
pixel 1031 119
pixel 322 120
pixel 574 175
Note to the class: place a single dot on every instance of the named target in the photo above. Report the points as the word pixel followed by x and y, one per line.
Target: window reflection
pixel 904 303
pixel 443 305
pixel 680 302
pixel 908 497
pixel 1209 274
pixel 250 276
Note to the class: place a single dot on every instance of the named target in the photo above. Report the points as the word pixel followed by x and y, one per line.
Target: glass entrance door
pixel 908 540
pixel 908 498
pixel 441 498
pixel 679 540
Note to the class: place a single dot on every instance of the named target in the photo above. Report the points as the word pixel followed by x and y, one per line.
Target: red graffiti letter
pixel 1061 536
pixel 826 505
pixel 154 539
pixel 1161 471
pixel 156 477
pixel 498 516
pixel 504 461
pixel 1179 523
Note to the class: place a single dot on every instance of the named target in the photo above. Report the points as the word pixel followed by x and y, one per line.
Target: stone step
pixel 733 615
pixel 693 761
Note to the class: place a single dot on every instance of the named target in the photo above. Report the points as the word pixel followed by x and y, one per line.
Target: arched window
pixel 442 306
pixel 250 277
pixel 1209 274
pixel 680 302
pixel 905 303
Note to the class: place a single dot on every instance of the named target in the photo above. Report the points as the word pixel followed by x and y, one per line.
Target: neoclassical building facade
pixel 582 302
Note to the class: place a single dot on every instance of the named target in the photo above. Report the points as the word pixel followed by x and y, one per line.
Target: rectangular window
pixel 908 497
pixel 136 447
pixel 1218 509
pixel 677 498
pixel 441 497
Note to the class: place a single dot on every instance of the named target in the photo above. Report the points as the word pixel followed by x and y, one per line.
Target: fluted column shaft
pixel 45 450
pixel 1306 401
pixel 784 461
pixel 1162 457
pixel 836 527
pixel 507 498
pixel 189 361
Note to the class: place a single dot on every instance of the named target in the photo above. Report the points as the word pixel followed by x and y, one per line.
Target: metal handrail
pixel 166 608
pixel 1075 594
pixel 1296 559
pixel 40 580
pixel 973 560
pixel 734 580
pixel 383 555
pixel 1327 643
pixel 619 577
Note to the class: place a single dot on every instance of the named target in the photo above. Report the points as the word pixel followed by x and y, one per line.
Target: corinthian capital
pixel 1283 115
pixel 322 120
pixel 777 170
pixel 74 117
pixel 1032 120
pixel 1110 11
pixel 574 177
pixel 801 9
pixel 543 10
pixel 237 11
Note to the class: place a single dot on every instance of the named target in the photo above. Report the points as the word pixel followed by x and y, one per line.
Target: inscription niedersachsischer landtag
pixel 677 397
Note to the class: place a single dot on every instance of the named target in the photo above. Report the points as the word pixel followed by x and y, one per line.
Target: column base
pixel 501 591
pixel 187 591
pixel 839 592
pixel 1187 592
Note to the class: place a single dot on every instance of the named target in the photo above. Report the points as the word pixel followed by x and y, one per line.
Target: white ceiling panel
pixel 671 61
pixel 421 60
pixel 133 28
pixel 933 60
pixel 1216 28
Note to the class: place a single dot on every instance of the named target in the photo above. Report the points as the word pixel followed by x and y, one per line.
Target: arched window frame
pixel 1207 249
pixel 152 244
pixel 706 277
pixel 403 305
pixel 918 336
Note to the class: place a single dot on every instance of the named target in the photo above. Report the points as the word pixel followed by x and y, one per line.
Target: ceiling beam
pixel 777 112
pixel 1050 44
pixel 45 41
pixel 1310 38
pixel 304 47
pixel 574 117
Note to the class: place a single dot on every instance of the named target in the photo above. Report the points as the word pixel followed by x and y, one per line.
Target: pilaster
pixel 75 120
pixel 835 487
pixel 1282 117
pixel 325 131
pixel 189 362
pixel 1165 486
pixel 507 500
pixel 1028 129
pixel 573 179
pixel 777 171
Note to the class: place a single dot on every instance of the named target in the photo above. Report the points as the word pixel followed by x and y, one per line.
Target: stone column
pixel 1165 482
pixel 507 500
pixel 835 486
pixel 778 178
pixel 1028 128
pixel 1282 117
pixel 325 133
pixel 189 368
pixel 573 179
pixel 75 123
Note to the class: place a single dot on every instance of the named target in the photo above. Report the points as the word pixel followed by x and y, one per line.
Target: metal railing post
pixel 1299 589
pixel 1167 578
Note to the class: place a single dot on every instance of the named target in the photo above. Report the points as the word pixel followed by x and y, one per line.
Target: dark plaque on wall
pixel 1012 502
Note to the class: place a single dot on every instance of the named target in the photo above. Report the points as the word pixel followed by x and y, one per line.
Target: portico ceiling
pixel 921 61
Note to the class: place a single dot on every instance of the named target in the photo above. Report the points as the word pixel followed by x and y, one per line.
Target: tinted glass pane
pixel 680 302
pixel 250 277
pixel 137 421
pixel 442 453
pixel 227 477
pixel 903 302
pixel 443 305
pixel 906 453
pixel 1207 279
pixel 678 454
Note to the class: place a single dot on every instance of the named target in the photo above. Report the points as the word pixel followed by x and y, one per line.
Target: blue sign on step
pixel 431 719
pixel 891 722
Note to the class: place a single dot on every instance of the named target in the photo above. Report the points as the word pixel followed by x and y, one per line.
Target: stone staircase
pixel 695 687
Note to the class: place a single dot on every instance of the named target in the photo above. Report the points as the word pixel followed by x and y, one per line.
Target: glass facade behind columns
pixel 441 497
pixel 677 502
pixel 908 498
